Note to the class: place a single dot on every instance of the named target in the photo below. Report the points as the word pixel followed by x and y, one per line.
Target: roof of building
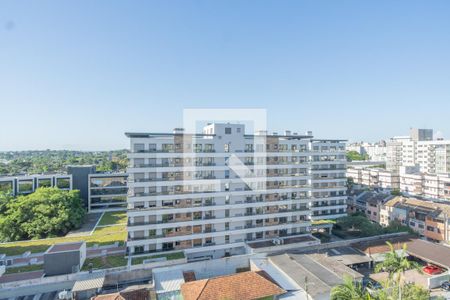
pixel 427 251
pixel 374 198
pixel 305 276
pixel 414 203
pixel 168 281
pixel 241 286
pixel 347 256
pixel 63 247
pixel 380 246
pixel 139 294
pixel 90 282
pixel 430 252
pixel 316 273
pixel 283 280
pixel 189 276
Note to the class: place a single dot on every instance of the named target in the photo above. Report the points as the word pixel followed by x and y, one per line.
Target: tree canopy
pixel 32 162
pixel 353 155
pixel 48 212
pixel 358 225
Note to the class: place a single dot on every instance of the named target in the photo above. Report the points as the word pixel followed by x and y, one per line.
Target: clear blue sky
pixel 78 74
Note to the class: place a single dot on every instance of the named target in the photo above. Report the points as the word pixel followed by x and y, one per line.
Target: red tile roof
pixel 240 286
pixel 140 294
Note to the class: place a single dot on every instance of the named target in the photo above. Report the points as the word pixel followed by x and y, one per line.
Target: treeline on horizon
pixel 55 161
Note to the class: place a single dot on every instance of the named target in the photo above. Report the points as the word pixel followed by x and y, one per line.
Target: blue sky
pixel 77 75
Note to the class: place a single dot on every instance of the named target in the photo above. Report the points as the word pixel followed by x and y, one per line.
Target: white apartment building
pixel 419 149
pixel 210 193
pixel 375 151
pixel 387 180
pixel 374 177
pixel 411 183
pixel 355 174
pixel 394 153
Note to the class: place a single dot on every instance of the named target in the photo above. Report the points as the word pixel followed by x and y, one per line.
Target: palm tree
pixel 349 290
pixel 396 265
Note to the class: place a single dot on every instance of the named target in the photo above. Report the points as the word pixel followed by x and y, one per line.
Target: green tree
pixel 48 212
pixel 353 155
pixel 414 292
pixel 5 199
pixel 396 265
pixel 396 192
pixel 391 290
pixel 349 290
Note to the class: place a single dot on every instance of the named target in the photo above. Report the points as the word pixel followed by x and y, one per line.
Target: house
pixel 137 294
pixel 241 286
pixel 428 218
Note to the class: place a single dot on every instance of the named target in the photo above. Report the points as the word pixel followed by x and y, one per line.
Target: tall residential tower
pixel 213 191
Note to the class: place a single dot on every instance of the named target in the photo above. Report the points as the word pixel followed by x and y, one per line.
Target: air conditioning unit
pixel 276 242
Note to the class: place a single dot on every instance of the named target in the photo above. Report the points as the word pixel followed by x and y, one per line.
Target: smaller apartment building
pixel 427 218
pixel 107 192
pixel 375 178
pixel 99 191
pixel 411 184
pixel 409 181
pixel 27 184
pixel 369 203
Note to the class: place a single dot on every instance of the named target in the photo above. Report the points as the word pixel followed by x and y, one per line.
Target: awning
pixel 90 282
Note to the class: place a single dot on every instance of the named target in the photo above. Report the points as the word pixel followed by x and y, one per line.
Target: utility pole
pixel 306 287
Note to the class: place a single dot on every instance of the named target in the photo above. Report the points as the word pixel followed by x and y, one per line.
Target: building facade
pixel 216 190
pixel 107 192
pixel 99 191
pixel 428 219
pixel 27 184
pixel 374 177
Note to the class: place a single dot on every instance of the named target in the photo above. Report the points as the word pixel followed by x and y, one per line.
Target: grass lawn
pixel 24 269
pixel 105 262
pixel 168 256
pixel 113 218
pixel 102 236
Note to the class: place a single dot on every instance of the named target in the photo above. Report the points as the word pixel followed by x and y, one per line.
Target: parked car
pixel 445 285
pixel 432 270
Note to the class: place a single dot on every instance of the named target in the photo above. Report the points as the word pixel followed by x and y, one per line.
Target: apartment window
pixel 226 148
pixel 430 228
pixel 238 130
pixel 138 147
pixel 227 130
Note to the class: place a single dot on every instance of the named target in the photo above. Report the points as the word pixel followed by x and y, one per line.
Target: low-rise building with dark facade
pixel 64 258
